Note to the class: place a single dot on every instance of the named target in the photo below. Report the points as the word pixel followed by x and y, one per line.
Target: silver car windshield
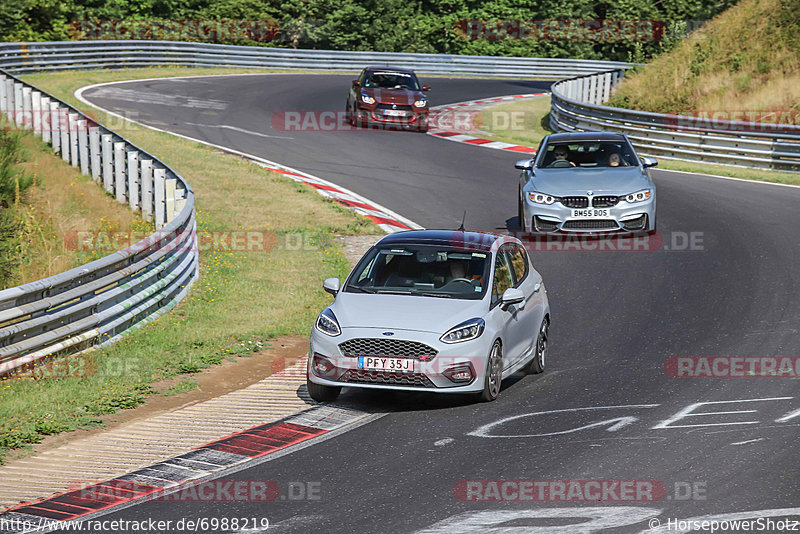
pixel 431 271
pixel 583 154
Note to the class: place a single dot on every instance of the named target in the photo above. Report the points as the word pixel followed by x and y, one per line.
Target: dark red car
pixel 390 97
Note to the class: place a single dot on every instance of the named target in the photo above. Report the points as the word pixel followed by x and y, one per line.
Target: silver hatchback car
pixel 587 183
pixel 432 310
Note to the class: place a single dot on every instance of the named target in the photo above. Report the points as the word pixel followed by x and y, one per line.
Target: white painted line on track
pixel 237 129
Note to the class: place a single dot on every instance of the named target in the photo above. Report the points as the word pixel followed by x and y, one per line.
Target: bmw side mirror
pixel 524 164
pixel 649 162
pixel 512 295
pixel 426 87
pixel 356 83
pixel 331 285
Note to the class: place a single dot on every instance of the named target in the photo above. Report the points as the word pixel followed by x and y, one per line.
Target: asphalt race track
pixel 617 317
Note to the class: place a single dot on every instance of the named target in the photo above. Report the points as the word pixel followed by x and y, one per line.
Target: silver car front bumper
pixel 624 217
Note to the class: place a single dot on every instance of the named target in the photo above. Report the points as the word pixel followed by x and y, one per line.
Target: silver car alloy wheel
pixel 495 370
pixel 541 346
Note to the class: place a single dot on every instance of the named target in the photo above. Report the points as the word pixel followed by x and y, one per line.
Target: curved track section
pixel 617 318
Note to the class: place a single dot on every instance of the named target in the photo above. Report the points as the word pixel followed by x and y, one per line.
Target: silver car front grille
pixel 392 348
pixel 605 201
pixel 360 376
pixel 575 202
pixel 591 224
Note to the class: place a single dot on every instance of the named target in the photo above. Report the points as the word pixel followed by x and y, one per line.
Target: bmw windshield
pixel 588 154
pixel 433 271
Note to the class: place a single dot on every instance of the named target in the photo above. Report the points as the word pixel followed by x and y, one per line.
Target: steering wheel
pixel 560 163
pixel 465 280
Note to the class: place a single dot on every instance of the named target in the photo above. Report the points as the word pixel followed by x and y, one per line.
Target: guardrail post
pixel 159 195
pixel 133 179
pixel 119 171
pixel 63 127
pixel 169 197
pixel 3 96
pixel 108 161
pixel 146 167
pixel 72 120
pixel 83 146
pixel 55 126
pixel 94 153
pixel 180 201
pixel 47 123
pixel 27 106
pixel 18 104
pixel 36 112
pixel 10 100
pixel 606 87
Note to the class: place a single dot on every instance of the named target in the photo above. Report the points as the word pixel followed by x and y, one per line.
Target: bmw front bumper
pixel 623 217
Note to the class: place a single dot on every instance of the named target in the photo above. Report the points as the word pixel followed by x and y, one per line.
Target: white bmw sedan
pixel 432 310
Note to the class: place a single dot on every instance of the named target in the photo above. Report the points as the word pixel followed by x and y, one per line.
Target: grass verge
pixel 524 122
pixel 745 59
pixel 535 115
pixel 60 203
pixel 241 296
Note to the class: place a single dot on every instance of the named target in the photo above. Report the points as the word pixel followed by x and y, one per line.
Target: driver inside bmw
pixel 561 153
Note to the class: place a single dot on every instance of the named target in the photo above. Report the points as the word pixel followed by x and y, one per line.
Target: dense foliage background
pixel 383 25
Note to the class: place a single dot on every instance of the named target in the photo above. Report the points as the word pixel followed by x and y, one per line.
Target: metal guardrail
pixel 100 301
pixel 27 57
pixel 576 105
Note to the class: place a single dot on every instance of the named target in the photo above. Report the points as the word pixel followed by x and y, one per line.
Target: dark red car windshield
pixel 391 80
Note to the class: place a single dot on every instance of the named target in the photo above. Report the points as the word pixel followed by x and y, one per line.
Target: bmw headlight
pixel 420 103
pixel 464 332
pixel 327 323
pixel 541 198
pixel 639 196
pixel 367 99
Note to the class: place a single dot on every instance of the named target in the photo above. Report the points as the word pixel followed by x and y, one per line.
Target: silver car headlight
pixel 638 196
pixel 464 332
pixel 420 103
pixel 367 99
pixel 541 198
pixel 327 323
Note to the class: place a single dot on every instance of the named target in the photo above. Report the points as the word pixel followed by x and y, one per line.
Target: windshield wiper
pixel 393 292
pixel 433 294
pixel 362 289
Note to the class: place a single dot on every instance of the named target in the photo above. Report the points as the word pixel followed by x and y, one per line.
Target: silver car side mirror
pixel 524 164
pixel 331 285
pixel 512 295
pixel 649 162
